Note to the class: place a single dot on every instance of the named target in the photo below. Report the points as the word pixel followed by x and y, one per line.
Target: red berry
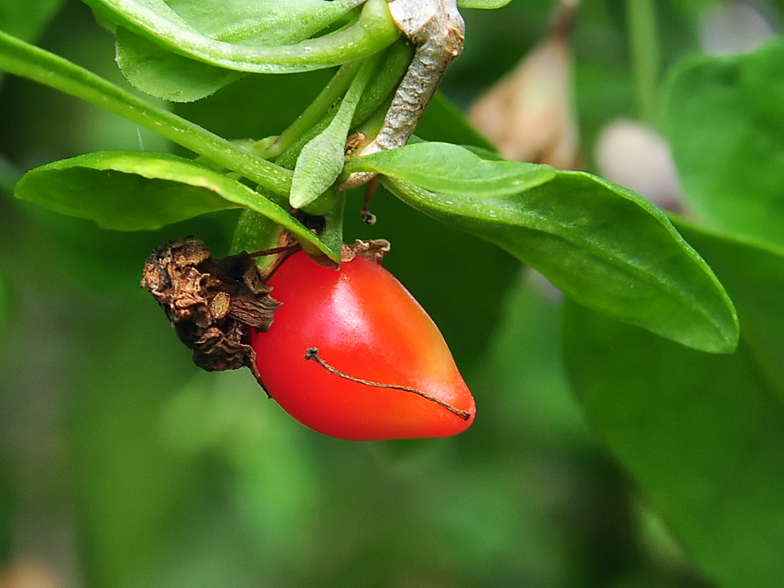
pixel 365 326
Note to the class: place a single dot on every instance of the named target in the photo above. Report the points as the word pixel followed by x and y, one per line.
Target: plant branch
pixel 644 44
pixel 336 87
pixel 28 61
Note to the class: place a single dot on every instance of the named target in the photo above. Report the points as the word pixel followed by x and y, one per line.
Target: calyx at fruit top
pixel 213 303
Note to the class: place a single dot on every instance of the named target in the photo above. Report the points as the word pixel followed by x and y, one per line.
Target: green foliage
pixel 41 66
pixel 168 477
pixel 723 118
pixel 603 245
pixel 321 160
pixel 128 191
pixel 703 435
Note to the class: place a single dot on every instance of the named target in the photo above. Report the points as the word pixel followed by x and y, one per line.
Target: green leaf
pixel 190 33
pixel 605 246
pixel 133 191
pixel 753 275
pixel 486 4
pixel 321 159
pixel 161 73
pixel 702 435
pixel 166 75
pixel 453 170
pixel 722 116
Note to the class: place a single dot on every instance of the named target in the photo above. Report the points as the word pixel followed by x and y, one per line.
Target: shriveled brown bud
pixel 211 303
pixel 529 114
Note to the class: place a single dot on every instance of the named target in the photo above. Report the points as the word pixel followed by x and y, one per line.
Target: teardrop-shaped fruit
pixel 352 355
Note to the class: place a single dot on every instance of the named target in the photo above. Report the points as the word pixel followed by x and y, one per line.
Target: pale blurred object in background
pixel 529 115
pixel 633 155
pixel 732 28
pixel 28 574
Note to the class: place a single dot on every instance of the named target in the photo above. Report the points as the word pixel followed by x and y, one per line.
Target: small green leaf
pixel 722 116
pixel 318 166
pixel 486 4
pixel 702 435
pixel 321 159
pixel 166 75
pixel 190 33
pixel 133 191
pixel 453 170
pixel 605 246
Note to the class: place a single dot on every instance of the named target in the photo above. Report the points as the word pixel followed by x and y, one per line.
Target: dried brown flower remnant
pixel 373 250
pixel 211 303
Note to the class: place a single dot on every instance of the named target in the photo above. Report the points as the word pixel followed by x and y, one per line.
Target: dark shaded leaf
pixel 754 278
pixel 163 74
pixel 3 303
pixel 26 18
pixel 703 435
pixel 723 119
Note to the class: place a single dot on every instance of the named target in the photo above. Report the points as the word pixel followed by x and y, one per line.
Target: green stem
pixel 345 114
pixel 25 60
pixel 336 87
pixel 378 95
pixel 643 39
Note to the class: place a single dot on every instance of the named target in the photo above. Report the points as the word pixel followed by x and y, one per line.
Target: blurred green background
pixel 122 465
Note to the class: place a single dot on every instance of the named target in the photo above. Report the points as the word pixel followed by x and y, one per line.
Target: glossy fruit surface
pixel 367 326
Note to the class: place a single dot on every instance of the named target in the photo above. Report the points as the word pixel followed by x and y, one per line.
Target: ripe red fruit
pixel 365 326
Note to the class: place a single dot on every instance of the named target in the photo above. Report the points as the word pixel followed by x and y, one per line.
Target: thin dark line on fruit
pixel 312 353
